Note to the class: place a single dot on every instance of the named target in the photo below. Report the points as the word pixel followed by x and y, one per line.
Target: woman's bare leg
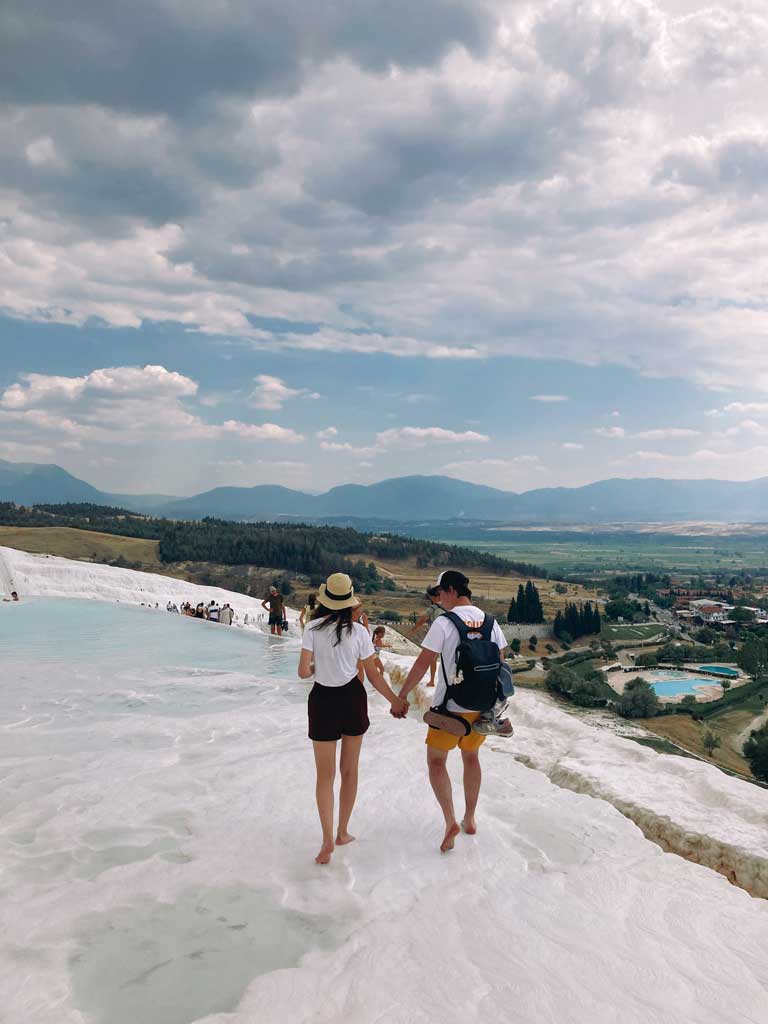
pixel 325 766
pixel 350 757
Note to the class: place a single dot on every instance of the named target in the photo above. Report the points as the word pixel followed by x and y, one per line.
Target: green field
pixel 579 552
pixel 642 631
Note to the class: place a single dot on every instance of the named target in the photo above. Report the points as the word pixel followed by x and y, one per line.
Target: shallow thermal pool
pixel 69 661
pixel 119 730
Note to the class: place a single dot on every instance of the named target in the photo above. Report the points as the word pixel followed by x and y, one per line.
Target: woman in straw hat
pixel 332 645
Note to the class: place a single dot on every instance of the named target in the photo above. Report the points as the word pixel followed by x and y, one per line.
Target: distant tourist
pixel 426 619
pixel 273 603
pixel 378 645
pixel 213 612
pixel 361 615
pixel 226 615
pixel 332 646
pixel 200 611
pixel 307 611
pixel 14 597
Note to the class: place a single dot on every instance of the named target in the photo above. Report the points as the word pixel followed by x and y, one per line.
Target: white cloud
pixel 610 431
pixel 572 446
pixel 118 405
pixel 757 408
pixel 272 392
pixel 655 434
pixel 253 432
pixel 327 434
pixel 665 433
pixel 417 437
pixel 345 448
pixel 548 398
pixel 37 389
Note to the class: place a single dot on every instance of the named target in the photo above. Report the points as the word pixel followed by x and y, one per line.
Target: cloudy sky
pixel 308 243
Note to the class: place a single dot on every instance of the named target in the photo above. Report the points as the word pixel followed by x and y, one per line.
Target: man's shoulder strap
pixel 488 623
pixel 486 630
pixel 458 622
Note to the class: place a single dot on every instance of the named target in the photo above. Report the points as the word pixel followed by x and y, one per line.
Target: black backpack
pixel 478 665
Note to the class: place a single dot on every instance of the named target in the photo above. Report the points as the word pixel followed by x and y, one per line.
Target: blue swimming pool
pixel 671 684
pixel 721 670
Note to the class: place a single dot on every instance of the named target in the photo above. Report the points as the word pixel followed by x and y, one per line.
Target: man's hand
pixel 399 708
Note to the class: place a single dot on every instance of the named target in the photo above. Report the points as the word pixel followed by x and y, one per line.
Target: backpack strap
pixel 463 631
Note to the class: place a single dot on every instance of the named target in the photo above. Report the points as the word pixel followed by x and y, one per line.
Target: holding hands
pixel 399 707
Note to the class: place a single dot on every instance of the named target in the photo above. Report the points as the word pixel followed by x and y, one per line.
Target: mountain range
pixel 418 498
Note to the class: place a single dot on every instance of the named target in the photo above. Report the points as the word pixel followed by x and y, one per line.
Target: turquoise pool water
pixel 68 661
pixel 721 671
pixel 670 684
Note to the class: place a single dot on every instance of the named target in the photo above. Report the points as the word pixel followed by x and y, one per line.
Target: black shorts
pixel 275 618
pixel 336 711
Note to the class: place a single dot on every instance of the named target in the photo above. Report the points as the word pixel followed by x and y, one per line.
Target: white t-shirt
pixel 443 638
pixel 335 666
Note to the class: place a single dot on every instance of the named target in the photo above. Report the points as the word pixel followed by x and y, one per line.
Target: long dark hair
pixel 342 617
pixel 311 601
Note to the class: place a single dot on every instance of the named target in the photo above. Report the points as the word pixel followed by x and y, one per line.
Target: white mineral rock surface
pixel 158 828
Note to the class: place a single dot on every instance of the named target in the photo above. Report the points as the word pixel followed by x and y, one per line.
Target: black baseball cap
pixel 446 580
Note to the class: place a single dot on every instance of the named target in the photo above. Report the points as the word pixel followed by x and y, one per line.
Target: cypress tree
pixel 512 615
pixel 522 605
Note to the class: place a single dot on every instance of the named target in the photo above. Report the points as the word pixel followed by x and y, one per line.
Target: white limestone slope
pixel 155 877
pixel 156 862
pixel 50 576
pixel 686 805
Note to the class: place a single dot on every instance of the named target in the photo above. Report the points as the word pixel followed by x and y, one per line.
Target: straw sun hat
pixel 337 592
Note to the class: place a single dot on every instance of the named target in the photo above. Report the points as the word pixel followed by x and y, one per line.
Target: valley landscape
pixel 383 512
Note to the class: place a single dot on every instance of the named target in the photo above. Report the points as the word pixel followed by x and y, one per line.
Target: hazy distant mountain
pixel 415 498
pixel 267 501
pixel 28 483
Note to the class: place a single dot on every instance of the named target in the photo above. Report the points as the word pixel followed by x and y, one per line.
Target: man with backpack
pixel 467 644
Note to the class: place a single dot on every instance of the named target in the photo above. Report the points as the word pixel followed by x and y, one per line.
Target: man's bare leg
pixel 325 765
pixel 348 762
pixel 473 776
pixel 441 786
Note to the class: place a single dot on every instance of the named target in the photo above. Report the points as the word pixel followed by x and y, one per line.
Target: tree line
pixel 527 606
pixel 576 620
pixel 311 550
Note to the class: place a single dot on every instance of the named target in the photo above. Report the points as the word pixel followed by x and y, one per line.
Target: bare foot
pixel 324 857
pixel 469 827
pixel 343 838
pixel 450 836
pixel 431 683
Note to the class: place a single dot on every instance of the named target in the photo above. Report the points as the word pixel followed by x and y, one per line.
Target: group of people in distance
pixel 212 612
pixel 334 645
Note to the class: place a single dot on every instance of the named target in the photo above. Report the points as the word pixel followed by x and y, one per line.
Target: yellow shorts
pixel 439 739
